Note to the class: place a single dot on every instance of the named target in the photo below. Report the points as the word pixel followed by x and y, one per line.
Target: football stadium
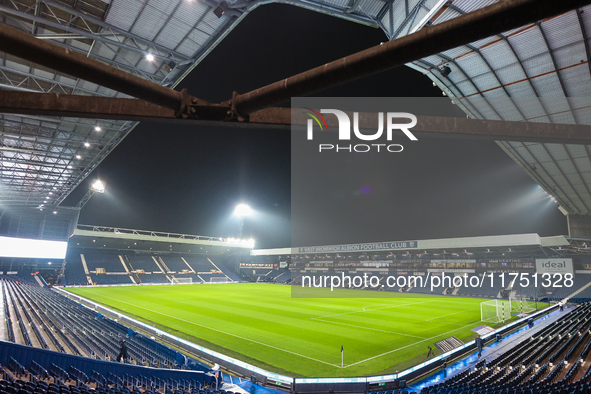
pixel 331 263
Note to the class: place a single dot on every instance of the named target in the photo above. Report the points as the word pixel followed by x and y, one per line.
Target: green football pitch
pixel 264 326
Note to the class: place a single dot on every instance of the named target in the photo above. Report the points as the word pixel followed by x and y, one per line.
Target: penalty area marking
pixel 450 314
pixel 220 331
pixel 404 347
pixel 370 310
pixel 366 328
pixel 321 318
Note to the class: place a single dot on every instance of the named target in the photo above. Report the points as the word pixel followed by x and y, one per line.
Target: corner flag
pixel 342 356
pixel 341 348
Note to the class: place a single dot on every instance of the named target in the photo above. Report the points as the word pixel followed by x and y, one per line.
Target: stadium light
pixel 98 186
pixel 242 210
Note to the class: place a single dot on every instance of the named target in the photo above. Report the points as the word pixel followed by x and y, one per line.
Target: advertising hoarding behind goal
pixel 554 266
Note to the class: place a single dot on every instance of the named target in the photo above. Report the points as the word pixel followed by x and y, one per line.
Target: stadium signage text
pixel 554 266
pixel 345 131
pixel 359 247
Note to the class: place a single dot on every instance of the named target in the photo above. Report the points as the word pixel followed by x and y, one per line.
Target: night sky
pixel 189 179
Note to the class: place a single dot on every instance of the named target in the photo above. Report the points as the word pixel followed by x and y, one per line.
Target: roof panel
pixel 577 80
pixel 165 6
pixel 189 12
pixel 370 7
pixel 149 23
pixel 123 13
pixel 547 85
pixel 498 54
pixel 173 33
pixel 472 63
pixel 472 5
pixel 528 43
pixel 562 30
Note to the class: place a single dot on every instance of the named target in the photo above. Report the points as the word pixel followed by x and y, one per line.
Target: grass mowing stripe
pixel 222 332
pixel 395 350
pixel 263 325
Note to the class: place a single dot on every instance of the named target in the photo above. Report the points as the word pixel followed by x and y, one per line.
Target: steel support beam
pixel 61 59
pixel 48 104
pixel 486 22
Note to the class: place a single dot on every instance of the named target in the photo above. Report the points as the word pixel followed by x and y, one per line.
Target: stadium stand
pixel 267 275
pixel 118 279
pixel 226 268
pixel 74 273
pixel 530 291
pixel 281 276
pixel 142 262
pixel 200 264
pixel 550 361
pixel 558 293
pixel 143 268
pixel 60 324
pixel 110 262
pixel 153 278
pixel 27 371
pixel 176 263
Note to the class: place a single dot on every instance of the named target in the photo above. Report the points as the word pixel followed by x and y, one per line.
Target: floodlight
pixel 97 128
pixel 150 57
pixel 242 210
pixel 98 186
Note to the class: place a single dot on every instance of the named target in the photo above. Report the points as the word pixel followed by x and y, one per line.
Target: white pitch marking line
pixel 455 313
pixel 404 347
pixel 370 310
pixel 366 328
pixel 223 332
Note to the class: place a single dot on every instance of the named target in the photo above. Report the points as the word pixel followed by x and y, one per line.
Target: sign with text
pixel 359 247
pixel 554 266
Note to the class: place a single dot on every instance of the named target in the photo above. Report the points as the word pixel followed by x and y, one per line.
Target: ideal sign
pixel 554 266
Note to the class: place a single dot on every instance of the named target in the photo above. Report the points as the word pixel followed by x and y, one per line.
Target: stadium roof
pixel 545 67
pixel 489 247
pixel 45 158
pixel 110 238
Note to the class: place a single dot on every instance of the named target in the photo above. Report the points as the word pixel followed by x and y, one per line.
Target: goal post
pixel 495 311
pixel 522 304
pixel 182 281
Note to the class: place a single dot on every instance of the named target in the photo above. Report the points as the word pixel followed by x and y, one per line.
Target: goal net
pixel 521 304
pixel 219 279
pixel 182 281
pixel 495 311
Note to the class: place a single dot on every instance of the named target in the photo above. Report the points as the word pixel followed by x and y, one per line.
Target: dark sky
pixel 189 179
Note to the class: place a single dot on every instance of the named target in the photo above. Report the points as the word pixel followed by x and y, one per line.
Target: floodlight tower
pixel 242 211
pixel 97 186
